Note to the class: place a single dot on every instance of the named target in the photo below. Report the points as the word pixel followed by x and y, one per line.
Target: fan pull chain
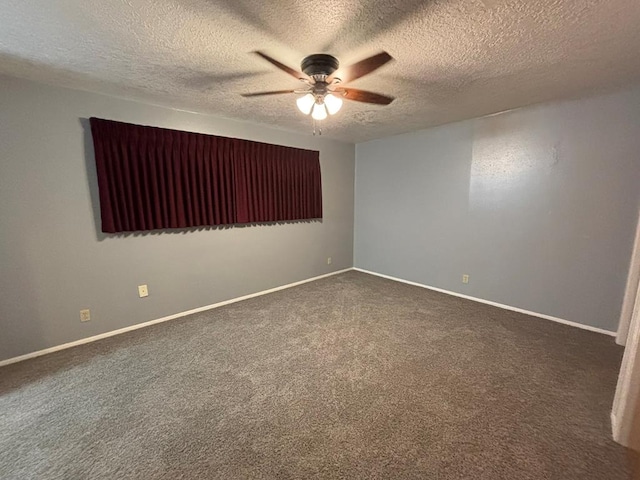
pixel 316 127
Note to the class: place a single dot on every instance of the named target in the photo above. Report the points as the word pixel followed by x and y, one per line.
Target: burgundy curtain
pixel 154 178
pixel 276 183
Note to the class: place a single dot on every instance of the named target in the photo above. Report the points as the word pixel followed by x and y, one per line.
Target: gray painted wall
pixel 538 206
pixel 55 261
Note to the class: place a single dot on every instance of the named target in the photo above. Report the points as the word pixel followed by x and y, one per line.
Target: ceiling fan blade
pixel 294 73
pixel 365 96
pixel 260 94
pixel 362 68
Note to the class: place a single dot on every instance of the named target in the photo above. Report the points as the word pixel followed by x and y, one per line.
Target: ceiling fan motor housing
pixel 319 64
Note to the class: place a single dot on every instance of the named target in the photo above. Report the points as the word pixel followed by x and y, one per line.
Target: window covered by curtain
pixel 276 183
pixel 154 178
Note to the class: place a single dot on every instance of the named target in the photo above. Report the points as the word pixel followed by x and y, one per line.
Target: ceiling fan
pixel 324 92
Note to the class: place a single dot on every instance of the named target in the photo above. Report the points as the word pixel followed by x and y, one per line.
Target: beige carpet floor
pixel 352 376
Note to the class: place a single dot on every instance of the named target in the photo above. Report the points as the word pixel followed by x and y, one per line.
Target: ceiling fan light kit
pixel 324 91
pixel 310 104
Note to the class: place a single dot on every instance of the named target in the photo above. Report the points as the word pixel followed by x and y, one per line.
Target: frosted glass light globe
pixel 319 112
pixel 305 103
pixel 333 103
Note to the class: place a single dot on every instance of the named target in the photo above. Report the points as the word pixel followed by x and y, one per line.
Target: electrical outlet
pixel 329 260
pixel 85 315
pixel 143 291
pixel 465 278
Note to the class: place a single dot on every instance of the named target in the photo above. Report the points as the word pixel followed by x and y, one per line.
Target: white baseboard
pixel 615 432
pixel 283 287
pixel 495 304
pixel 160 320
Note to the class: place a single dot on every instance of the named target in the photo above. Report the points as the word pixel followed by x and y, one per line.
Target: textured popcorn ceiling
pixel 454 59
